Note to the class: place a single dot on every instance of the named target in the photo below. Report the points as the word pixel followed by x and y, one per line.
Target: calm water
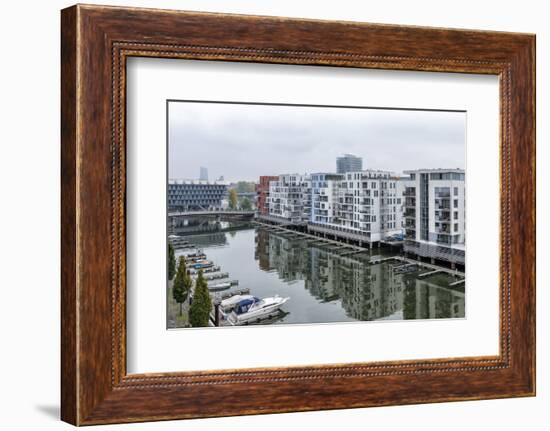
pixel 324 286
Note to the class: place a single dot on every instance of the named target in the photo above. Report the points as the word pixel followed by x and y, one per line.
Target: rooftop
pixel 437 170
pixel 198 182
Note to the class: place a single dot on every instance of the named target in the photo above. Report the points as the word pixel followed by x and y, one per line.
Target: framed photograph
pixel 322 214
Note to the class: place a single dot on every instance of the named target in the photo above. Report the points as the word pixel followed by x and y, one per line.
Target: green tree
pixel 246 205
pixel 199 312
pixel 233 199
pixel 180 290
pixel 245 187
pixel 171 262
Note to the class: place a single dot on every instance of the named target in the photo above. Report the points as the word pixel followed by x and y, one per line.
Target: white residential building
pixel 364 205
pixel 370 203
pixel 325 189
pixel 427 207
pixel 434 213
pixel 290 198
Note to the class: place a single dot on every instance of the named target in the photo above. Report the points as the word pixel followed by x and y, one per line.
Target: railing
pixel 209 212
pixel 432 250
pixel 341 231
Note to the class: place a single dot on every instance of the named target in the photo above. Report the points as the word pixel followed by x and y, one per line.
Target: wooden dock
pixel 333 245
pixel 212 275
pixel 230 293
pixel 194 271
pixel 180 243
pixel 433 269
pixel 222 286
pixel 427 274
pixel 377 260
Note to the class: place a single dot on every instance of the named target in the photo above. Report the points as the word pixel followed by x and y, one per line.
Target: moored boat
pixel 248 309
pixel 201 263
pixel 195 258
pixel 197 254
pixel 219 286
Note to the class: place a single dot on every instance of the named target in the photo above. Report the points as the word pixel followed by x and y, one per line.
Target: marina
pixel 277 262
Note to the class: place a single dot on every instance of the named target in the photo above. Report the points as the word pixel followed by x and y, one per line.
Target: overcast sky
pixel 242 142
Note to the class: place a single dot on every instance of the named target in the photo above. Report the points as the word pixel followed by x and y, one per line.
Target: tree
pixel 199 312
pixel 233 198
pixel 246 205
pixel 180 290
pixel 171 262
pixel 245 187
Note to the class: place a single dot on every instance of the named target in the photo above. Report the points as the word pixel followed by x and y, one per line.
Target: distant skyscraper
pixel 348 163
pixel 204 174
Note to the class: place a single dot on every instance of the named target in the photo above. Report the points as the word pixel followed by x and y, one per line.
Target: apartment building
pixel 427 207
pixel 434 214
pixel 370 201
pixel 325 191
pixel 262 193
pixel 290 198
pixel 363 205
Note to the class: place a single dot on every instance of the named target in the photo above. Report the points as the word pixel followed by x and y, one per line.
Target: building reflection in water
pixel 366 292
pixel 208 233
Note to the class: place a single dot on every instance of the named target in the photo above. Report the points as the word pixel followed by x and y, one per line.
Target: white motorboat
pixel 227 305
pixel 247 308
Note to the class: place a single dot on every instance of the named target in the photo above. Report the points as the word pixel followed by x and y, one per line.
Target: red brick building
pixel 262 190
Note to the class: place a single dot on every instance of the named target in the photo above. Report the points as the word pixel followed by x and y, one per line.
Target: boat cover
pixel 244 305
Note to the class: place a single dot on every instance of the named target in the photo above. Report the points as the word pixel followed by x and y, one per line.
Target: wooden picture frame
pixel 95 43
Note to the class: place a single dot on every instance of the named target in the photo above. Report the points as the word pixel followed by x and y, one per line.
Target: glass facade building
pixel 185 195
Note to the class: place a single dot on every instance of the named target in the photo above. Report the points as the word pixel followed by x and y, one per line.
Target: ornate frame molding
pixel 96 41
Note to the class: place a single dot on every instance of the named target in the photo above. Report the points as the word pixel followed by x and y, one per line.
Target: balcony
pixel 445 217
pixel 442 202
pixel 410 202
pixel 410 234
pixel 444 229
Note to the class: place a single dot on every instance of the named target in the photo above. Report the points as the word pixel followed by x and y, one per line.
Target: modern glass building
pixel 348 163
pixel 185 195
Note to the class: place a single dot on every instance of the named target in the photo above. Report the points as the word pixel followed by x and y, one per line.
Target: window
pixel 456 191
pixel 455 203
pixel 456 227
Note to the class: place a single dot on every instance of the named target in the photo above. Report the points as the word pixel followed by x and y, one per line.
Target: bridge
pixel 215 212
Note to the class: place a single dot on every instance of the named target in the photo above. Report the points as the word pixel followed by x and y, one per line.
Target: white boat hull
pixel 258 314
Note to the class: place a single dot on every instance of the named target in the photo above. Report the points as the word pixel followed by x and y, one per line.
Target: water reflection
pixel 324 284
pixel 365 291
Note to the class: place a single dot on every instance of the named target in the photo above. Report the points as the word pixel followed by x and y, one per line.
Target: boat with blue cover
pixel 243 309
